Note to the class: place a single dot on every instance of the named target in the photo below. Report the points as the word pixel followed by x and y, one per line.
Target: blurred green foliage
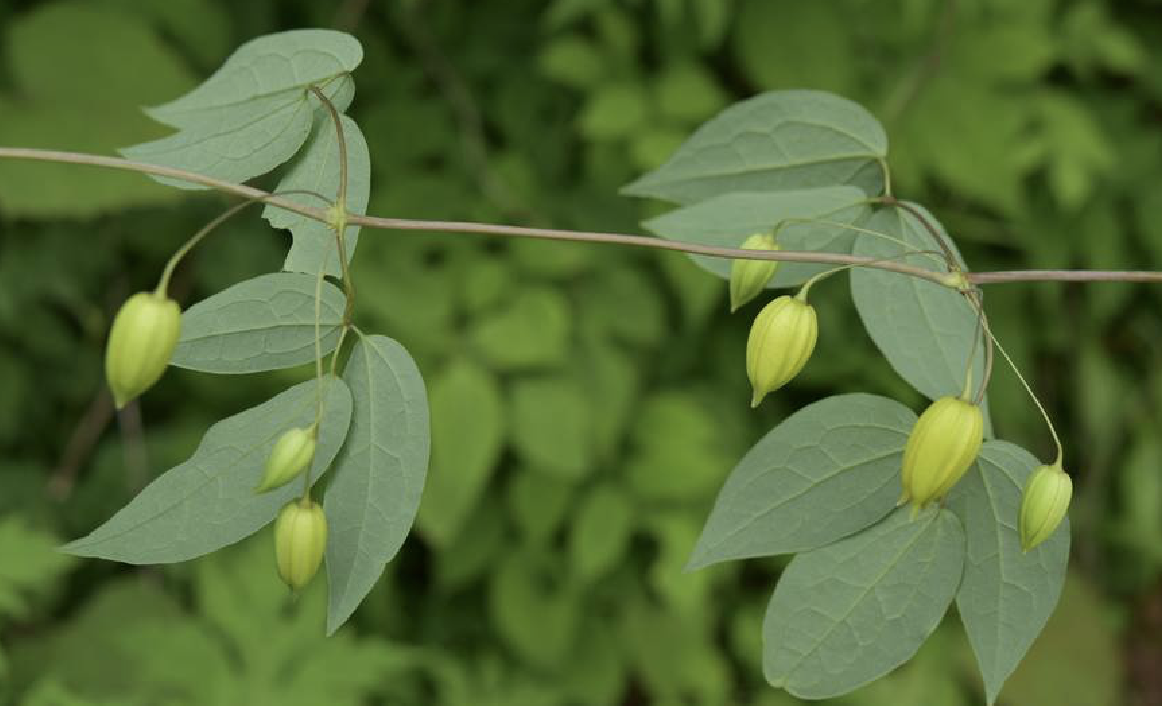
pixel 587 401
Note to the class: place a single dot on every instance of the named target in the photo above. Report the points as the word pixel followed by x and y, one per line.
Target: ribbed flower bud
pixel 300 538
pixel 748 278
pixel 290 455
pixel 1043 504
pixel 780 342
pixel 141 342
pixel 943 444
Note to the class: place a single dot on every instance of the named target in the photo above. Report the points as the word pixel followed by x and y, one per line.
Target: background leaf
pixel 1075 659
pixel 68 91
pixel 778 141
pixel 375 490
pixel 601 531
pixel 468 423
pixel 30 568
pixel 1007 595
pixel 208 501
pixel 264 323
pixel 560 442
pixel 727 220
pixel 846 614
pixel 829 470
pixel 317 169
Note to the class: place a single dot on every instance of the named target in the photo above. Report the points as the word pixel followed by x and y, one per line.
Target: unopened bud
pixel 300 538
pixel 141 342
pixel 1043 504
pixel 748 278
pixel 290 455
pixel 780 342
pixel 943 444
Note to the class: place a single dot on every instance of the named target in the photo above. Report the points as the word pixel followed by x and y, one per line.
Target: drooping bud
pixel 943 444
pixel 300 538
pixel 1043 504
pixel 748 278
pixel 141 342
pixel 290 455
pixel 780 342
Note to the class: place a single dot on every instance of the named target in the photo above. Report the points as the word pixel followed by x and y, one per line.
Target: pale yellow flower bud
pixel 290 455
pixel 1043 504
pixel 943 444
pixel 141 343
pixel 780 343
pixel 300 539
pixel 748 278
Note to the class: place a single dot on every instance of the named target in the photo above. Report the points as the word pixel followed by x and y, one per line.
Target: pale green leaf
pixel 208 501
pixel 925 330
pixel 254 113
pixel 1006 595
pixel 851 612
pixel 727 220
pixel 317 169
pixel 829 470
pixel 601 531
pixel 467 438
pixel 264 323
pixel 375 490
pixel 285 62
pixel 778 141
pixel 235 151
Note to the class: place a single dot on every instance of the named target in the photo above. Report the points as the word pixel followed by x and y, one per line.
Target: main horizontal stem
pixel 821 258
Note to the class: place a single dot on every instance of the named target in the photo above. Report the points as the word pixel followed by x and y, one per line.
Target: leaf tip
pixel 639 188
pixel 696 562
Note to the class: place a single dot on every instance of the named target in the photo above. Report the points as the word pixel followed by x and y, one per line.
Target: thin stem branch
pixel 806 287
pixel 1064 276
pixel 1028 389
pixel 341 199
pixel 821 258
pixel 340 218
pixel 226 215
pixel 940 238
pixel 974 297
pixel 908 247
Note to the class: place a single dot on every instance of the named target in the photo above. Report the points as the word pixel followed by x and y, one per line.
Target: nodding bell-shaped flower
pixel 141 342
pixel 300 538
pixel 780 342
pixel 290 455
pixel 1043 504
pixel 943 444
pixel 748 278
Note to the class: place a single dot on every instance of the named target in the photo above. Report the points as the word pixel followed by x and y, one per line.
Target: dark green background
pixel 588 400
